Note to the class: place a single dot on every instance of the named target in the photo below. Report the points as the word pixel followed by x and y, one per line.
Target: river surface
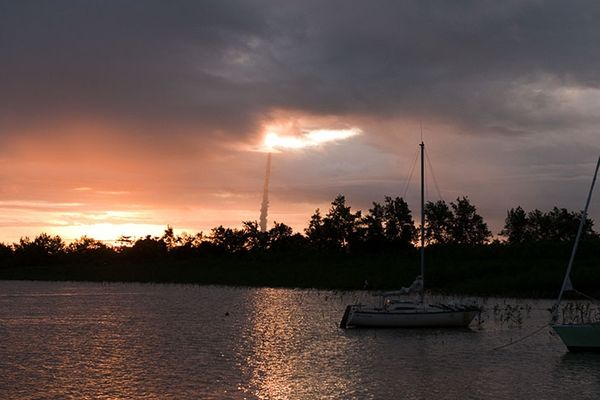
pixel 69 340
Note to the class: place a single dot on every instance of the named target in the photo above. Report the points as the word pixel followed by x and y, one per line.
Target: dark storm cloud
pixel 221 65
pixel 144 60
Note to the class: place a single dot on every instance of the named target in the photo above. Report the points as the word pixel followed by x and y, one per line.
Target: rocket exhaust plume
pixel 264 207
pixel 274 142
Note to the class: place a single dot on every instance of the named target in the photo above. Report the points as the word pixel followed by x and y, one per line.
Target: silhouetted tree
pixel 255 239
pixel 468 227
pixel 281 238
pixel 43 249
pixel 187 245
pixel 85 245
pixel 169 238
pixel 438 222
pixel 6 254
pixel 338 229
pixel 278 234
pixel 538 226
pixel 390 224
pixel 147 248
pixel 228 240
pixel 556 225
pixel 373 227
pixel 86 249
pixel 516 226
pixel 124 242
pixel 187 240
pixel 564 225
pixel 341 224
pixel 315 232
pixel 399 225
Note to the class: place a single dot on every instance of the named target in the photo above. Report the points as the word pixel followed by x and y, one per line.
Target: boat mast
pixel 422 145
pixel 567 280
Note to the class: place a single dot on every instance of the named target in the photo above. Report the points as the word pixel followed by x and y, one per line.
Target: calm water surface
pixel 144 341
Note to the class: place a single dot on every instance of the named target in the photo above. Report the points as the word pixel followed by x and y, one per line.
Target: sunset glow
pixel 223 199
pixel 109 232
pixel 309 138
pixel 173 133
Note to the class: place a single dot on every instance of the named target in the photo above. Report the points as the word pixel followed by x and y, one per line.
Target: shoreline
pixel 487 271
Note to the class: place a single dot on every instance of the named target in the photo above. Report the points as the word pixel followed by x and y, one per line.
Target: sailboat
pixel 395 311
pixel 581 336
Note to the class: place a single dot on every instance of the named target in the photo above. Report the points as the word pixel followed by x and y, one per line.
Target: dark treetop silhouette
pixel 340 249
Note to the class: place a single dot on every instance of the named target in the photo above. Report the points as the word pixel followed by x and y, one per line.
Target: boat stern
pixel 579 337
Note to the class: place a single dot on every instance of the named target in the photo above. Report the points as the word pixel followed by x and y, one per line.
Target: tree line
pixel 385 226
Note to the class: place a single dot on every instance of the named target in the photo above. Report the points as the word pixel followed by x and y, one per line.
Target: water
pixel 143 341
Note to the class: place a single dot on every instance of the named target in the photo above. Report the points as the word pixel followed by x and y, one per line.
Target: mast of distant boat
pixel 422 145
pixel 567 280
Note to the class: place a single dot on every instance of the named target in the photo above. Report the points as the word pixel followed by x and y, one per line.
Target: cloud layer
pixel 163 99
pixel 226 64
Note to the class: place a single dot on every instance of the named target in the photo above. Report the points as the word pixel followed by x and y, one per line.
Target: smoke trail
pixel 264 207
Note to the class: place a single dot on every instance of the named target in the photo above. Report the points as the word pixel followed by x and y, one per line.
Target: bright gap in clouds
pixel 310 138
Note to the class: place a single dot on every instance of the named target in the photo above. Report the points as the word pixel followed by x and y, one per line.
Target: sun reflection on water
pixel 289 355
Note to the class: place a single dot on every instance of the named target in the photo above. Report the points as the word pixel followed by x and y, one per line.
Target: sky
pixel 123 117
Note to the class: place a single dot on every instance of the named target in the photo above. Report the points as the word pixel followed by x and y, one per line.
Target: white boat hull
pixel 579 337
pixel 424 318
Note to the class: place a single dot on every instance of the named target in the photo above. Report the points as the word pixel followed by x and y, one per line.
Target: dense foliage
pixel 340 249
pixel 556 225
